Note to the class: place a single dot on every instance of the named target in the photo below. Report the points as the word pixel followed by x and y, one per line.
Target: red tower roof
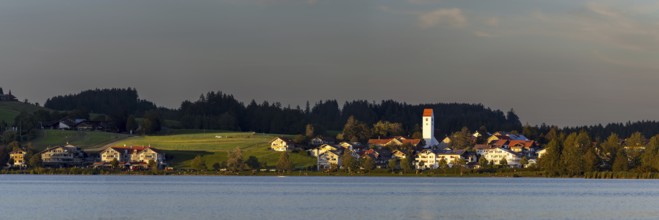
pixel 427 112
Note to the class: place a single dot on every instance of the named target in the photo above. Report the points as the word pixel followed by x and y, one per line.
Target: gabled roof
pixel 18 151
pixel 500 143
pixel 286 140
pixel 521 143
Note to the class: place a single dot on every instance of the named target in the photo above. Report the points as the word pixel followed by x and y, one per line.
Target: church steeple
pixel 428 121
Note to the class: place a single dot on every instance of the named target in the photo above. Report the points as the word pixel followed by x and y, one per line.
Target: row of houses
pixel 429 158
pixel 79 125
pixel 133 157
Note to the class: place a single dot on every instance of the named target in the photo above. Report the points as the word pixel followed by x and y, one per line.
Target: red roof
pixel 427 112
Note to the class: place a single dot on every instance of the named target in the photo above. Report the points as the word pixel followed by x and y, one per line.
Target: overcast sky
pixel 562 62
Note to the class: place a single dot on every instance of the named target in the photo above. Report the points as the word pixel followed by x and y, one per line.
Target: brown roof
pixel 403 140
pixel 524 144
pixel 500 143
pixel 379 141
pixel 482 146
pixel 427 112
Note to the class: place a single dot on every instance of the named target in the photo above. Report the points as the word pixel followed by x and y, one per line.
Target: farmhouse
pixel 7 97
pixel 282 144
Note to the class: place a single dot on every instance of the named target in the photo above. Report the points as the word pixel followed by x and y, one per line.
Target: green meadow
pixel 9 110
pixel 214 147
pixel 82 139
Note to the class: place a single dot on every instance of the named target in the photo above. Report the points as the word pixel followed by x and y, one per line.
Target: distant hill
pixel 9 110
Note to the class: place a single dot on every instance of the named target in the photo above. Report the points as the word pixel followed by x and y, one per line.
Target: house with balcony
pixel 63 156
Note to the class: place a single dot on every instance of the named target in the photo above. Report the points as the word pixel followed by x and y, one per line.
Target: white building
pixel 328 159
pixel 429 159
pixel 63 156
pixel 428 121
pixel 497 154
pixel 315 152
pixel 281 144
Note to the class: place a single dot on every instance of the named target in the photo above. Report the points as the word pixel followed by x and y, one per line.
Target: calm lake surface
pixel 195 197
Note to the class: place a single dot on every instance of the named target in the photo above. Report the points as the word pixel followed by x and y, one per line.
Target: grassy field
pixel 83 139
pixel 9 110
pixel 214 147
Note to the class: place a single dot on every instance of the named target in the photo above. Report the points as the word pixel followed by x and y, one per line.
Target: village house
pixel 282 144
pixel 18 156
pixel 317 141
pixel 496 155
pixel 315 152
pixel 132 156
pixel 63 156
pixel 398 154
pixel 380 156
pixel 426 159
pixel 500 135
pixel 328 160
pixel 452 156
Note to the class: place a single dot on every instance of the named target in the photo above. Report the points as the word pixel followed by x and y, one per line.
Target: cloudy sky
pixel 562 62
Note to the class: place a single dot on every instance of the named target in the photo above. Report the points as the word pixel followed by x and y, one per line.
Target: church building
pixel 428 120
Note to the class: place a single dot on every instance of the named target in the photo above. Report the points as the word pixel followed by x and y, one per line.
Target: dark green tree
pixel 253 162
pixel 131 124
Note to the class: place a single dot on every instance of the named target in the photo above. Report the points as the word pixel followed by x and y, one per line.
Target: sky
pixel 561 62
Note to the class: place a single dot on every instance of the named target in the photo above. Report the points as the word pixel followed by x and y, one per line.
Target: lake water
pixel 195 197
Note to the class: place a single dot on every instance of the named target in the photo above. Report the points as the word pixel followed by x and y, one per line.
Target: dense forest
pixel 216 110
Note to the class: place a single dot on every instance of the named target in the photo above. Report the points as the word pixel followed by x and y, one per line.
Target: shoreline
pixel 515 174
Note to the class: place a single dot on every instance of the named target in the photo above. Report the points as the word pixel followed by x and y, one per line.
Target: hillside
pixel 214 147
pixel 83 139
pixel 9 110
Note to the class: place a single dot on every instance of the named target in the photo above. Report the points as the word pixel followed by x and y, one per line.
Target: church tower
pixel 428 121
